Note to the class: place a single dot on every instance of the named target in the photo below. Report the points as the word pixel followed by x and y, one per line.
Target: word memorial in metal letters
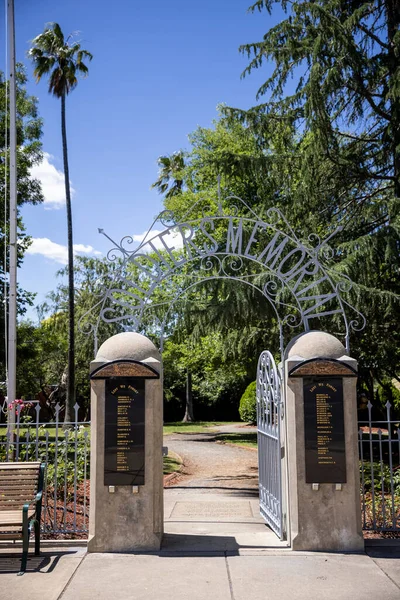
pixel 291 264
pixel 324 430
pixel 148 280
pixel 124 432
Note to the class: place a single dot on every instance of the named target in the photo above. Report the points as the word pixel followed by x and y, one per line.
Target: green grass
pixel 42 432
pixel 195 427
pixel 241 439
pixel 169 428
pixel 172 463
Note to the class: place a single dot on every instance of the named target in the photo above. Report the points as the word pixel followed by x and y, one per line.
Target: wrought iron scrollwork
pixel 268 392
pixel 291 275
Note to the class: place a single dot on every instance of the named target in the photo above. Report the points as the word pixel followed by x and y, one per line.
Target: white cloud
pixel 173 239
pixel 58 252
pixel 52 181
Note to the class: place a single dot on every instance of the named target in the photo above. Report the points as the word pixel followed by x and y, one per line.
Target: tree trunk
pixel 371 387
pixel 70 401
pixel 189 399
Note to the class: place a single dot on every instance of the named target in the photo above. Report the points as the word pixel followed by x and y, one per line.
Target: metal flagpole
pixel 12 295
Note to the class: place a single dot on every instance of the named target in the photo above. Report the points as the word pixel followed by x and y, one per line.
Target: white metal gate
pixel 269 423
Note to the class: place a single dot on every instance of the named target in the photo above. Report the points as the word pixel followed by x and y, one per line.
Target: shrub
pixel 382 478
pixel 248 404
pixel 389 393
pixel 72 450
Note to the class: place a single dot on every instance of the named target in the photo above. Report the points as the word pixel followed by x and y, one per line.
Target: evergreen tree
pixel 43 348
pixel 335 83
pixel 336 74
pixel 273 172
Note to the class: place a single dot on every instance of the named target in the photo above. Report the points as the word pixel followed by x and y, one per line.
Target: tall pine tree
pixel 337 75
pixel 335 82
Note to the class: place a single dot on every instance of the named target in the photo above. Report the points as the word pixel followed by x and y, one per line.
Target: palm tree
pixel 62 61
pixel 170 174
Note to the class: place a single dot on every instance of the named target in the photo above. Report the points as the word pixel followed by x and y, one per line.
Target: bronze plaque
pixel 124 431
pixel 125 369
pixel 322 367
pixel 324 430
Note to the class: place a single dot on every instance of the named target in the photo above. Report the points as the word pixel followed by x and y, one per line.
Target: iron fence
pixel 65 449
pixel 379 450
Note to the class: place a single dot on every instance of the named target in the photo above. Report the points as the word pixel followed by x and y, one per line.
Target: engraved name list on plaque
pixel 124 455
pixel 324 430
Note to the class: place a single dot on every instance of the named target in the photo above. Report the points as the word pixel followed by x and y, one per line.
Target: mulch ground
pixel 66 518
pixel 379 521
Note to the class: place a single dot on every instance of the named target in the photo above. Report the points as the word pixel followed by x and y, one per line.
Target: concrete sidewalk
pixel 192 574
pixel 46 576
pixel 271 576
pixel 216 547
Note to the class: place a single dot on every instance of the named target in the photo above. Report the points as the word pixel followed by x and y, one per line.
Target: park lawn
pixel 248 440
pixel 169 428
pixel 194 427
pixel 50 429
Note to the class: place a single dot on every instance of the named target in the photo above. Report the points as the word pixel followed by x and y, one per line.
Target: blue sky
pixel 159 70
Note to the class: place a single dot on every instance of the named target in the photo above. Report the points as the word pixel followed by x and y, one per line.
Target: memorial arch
pixel 224 241
pixel 228 241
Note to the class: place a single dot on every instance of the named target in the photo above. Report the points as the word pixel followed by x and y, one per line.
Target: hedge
pixel 247 407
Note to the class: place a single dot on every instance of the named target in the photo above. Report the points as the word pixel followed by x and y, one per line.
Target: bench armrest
pixel 37 500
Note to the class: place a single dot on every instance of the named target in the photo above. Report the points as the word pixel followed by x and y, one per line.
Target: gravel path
pixel 213 466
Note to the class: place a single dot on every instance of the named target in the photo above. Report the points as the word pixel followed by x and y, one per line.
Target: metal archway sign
pixel 231 242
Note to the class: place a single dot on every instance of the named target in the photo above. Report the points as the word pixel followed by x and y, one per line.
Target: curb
pixel 170 477
pixel 236 445
pixel 82 543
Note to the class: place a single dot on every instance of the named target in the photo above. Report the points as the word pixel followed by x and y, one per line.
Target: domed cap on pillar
pixel 316 344
pixel 127 346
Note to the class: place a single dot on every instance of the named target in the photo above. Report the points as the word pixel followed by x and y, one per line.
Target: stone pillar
pixel 322 445
pixel 126 470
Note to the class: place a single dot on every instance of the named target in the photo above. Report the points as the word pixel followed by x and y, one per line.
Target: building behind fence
pixel 65 449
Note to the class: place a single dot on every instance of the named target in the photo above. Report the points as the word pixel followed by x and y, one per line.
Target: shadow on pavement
pixel 201 545
pixel 383 551
pixel 45 563
pixel 231 491
pixel 224 437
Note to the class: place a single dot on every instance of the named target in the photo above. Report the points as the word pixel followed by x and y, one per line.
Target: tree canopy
pixel 29 153
pixel 323 146
pixel 58 58
pixel 259 173
pixel 335 84
pixel 336 74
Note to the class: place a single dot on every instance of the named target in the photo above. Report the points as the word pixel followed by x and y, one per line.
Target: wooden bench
pixel 21 487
